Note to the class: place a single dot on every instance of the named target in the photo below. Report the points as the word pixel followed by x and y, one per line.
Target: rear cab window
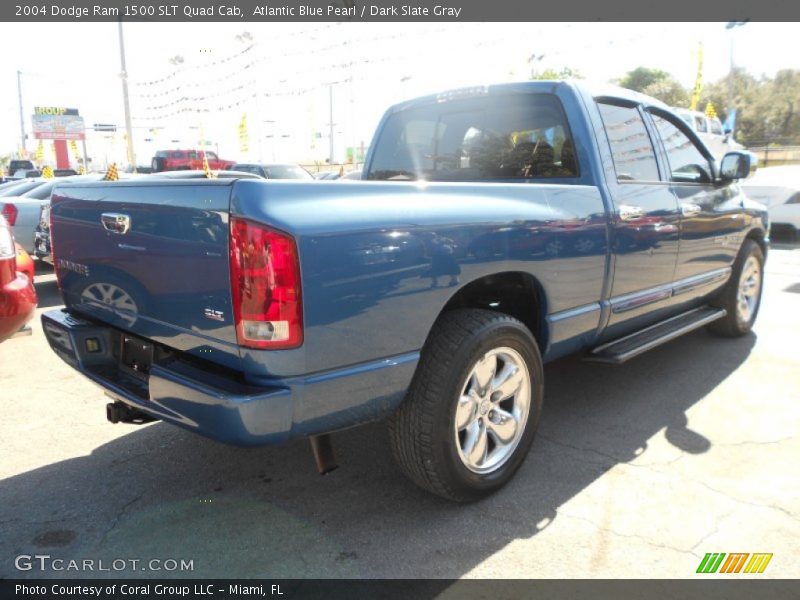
pixel 489 137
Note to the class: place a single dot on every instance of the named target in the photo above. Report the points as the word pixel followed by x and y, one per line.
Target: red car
pixel 191 160
pixel 17 296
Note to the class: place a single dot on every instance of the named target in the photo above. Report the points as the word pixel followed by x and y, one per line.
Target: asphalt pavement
pixel 637 471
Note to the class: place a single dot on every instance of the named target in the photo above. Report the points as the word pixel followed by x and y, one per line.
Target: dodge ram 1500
pixel 498 228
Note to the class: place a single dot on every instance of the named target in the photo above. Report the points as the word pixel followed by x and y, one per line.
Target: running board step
pixel 625 348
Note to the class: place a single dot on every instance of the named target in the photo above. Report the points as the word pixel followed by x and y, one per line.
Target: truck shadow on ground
pixel 160 492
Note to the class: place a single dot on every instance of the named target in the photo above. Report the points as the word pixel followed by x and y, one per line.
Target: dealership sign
pixel 57 123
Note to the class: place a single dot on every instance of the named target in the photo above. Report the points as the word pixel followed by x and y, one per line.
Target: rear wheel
pixel 741 296
pixel 473 407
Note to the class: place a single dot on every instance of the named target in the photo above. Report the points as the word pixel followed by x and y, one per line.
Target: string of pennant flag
pixel 237 103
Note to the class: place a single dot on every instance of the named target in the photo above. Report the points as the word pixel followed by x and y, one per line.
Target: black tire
pixel 735 324
pixel 157 165
pixel 423 432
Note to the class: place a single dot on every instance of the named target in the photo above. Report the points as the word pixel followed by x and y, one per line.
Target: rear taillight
pixel 10 213
pixel 7 248
pixel 8 254
pixel 265 281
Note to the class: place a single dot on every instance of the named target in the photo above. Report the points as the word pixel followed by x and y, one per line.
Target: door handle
pixel 690 210
pixel 629 213
pixel 116 222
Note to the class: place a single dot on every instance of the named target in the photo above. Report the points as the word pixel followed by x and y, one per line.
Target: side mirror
pixel 735 165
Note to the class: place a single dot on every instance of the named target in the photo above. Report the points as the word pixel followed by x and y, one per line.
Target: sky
pixel 193 82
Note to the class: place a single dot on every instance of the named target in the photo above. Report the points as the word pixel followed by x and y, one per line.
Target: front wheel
pixel 473 407
pixel 741 296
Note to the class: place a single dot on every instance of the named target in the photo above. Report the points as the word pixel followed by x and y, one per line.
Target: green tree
pixel 642 77
pixel 767 108
pixel 656 83
pixel 669 91
pixel 553 74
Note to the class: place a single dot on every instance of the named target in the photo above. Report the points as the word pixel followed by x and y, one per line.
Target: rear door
pixel 646 218
pixel 711 214
pixel 151 259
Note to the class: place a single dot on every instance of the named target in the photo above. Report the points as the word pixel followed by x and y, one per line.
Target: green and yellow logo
pixel 734 563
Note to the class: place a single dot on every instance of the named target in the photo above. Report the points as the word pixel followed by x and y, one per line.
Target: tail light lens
pixel 8 254
pixel 10 213
pixel 265 281
pixel 7 247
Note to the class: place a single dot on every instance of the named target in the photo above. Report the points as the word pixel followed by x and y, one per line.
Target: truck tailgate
pixel 150 258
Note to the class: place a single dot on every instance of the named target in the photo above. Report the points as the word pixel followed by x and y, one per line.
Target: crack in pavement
pixel 714 531
pixel 785 511
pixel 119 516
pixel 656 468
pixel 617 460
pixel 754 442
pixel 631 535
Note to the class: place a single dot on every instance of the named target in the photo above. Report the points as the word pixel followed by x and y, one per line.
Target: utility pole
pixel 330 123
pixel 22 136
pixel 730 26
pixel 126 102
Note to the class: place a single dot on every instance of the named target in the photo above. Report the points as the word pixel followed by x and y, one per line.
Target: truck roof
pixel 595 89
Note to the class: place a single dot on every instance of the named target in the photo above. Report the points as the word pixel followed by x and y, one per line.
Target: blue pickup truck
pixel 496 228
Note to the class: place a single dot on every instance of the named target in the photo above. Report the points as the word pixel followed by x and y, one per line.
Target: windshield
pixel 489 137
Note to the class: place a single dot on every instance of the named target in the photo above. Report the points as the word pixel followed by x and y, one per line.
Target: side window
pixel 700 124
pixel 211 155
pixel 631 148
pixel 686 163
pixel 716 127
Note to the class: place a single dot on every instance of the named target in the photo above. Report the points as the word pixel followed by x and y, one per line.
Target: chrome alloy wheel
pixel 492 410
pixel 749 289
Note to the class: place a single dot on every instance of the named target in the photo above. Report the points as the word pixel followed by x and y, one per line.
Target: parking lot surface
pixel 637 471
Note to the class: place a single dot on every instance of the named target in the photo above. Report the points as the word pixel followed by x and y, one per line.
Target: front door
pixel 711 214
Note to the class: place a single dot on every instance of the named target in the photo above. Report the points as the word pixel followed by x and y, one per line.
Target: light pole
pixel 22 136
pixel 330 123
pixel 125 100
pixel 244 38
pixel 730 26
